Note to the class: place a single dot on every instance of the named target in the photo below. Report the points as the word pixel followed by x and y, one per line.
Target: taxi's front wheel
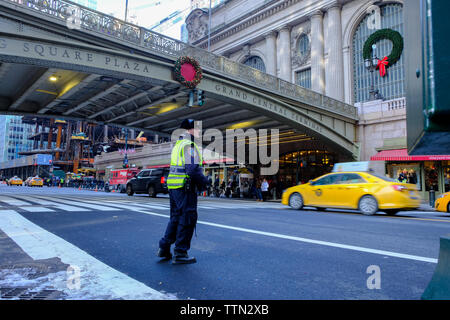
pixel 368 205
pixel 296 201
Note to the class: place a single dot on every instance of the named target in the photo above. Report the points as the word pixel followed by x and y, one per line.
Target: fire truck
pixel 118 179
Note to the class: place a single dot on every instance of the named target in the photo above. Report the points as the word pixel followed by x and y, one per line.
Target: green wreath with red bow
pixel 397 48
pixel 188 72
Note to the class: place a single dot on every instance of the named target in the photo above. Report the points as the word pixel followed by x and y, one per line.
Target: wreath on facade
pixel 397 48
pixel 187 71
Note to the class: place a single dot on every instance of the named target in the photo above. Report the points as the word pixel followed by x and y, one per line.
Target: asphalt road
pixel 245 249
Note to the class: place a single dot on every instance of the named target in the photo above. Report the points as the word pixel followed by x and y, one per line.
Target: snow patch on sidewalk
pixel 86 278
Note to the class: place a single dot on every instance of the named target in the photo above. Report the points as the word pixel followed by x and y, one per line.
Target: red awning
pixel 402 155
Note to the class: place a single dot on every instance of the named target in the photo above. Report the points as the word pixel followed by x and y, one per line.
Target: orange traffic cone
pixel 79 188
pixel 96 189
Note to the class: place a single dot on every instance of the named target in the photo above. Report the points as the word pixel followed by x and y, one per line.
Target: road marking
pixel 82 204
pixel 318 242
pixel 13 201
pixel 60 206
pixel 37 209
pixel 97 280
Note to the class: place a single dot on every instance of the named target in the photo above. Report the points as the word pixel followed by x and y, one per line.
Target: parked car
pixel 15 181
pixel 364 191
pixel 443 203
pixel 150 181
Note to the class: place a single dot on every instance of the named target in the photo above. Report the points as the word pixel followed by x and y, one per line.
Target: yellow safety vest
pixel 177 175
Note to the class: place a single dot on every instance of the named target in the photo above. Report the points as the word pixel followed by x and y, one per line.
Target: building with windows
pixel 14 137
pixel 320 45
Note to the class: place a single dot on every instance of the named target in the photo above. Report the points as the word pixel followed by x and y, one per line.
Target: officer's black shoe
pixel 165 254
pixel 182 258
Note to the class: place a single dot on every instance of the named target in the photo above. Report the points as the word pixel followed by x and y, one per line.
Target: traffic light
pixel 191 98
pixel 200 98
pixel 125 166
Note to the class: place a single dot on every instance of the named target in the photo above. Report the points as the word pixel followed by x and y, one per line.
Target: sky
pixel 151 13
pixel 148 13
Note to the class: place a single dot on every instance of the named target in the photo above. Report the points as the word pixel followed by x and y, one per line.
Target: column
pixel 105 133
pixel 335 68
pixel 317 63
pixel 285 53
pixel 58 140
pixel 271 53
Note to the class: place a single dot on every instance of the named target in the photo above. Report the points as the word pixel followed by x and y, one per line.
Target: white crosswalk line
pixel 13 201
pixel 122 206
pixel 60 206
pixel 141 205
pixel 37 209
pixel 83 204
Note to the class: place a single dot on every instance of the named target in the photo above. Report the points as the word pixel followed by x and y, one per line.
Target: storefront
pixel 428 172
pixel 302 166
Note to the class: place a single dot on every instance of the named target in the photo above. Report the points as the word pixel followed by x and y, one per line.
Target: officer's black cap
pixel 187 124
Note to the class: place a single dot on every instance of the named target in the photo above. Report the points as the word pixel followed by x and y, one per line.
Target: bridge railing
pixel 79 17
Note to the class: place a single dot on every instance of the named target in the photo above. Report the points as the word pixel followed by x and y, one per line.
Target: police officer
pixel 184 180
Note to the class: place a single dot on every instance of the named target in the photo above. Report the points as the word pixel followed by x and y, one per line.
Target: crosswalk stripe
pixel 82 204
pixel 143 205
pixel 13 201
pixel 60 206
pixel 123 206
pixel 37 209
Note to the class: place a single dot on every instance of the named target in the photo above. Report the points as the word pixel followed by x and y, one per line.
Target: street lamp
pixel 371 65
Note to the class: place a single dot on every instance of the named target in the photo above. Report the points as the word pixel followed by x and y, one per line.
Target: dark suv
pixel 151 181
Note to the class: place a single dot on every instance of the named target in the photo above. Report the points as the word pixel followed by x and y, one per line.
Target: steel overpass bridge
pixel 106 71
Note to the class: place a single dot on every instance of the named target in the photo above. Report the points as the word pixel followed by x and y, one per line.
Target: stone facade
pixel 271 30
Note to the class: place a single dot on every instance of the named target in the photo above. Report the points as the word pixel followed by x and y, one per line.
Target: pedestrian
pixel 185 178
pixel 264 189
pixel 259 196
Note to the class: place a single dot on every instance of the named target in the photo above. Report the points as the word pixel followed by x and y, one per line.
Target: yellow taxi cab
pixel 36 182
pixel 443 202
pixel 15 181
pixel 350 186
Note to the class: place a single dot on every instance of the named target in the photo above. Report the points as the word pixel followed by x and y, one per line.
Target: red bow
pixel 382 64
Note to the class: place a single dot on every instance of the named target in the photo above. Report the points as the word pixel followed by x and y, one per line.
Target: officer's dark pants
pixel 183 218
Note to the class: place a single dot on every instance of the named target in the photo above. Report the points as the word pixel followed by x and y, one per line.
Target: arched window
pixel 255 62
pixel 392 85
pixel 303 45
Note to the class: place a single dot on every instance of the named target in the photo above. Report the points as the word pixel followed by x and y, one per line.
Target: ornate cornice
pixel 247 20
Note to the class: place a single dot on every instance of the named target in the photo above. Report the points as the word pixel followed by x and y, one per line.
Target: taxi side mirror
pixel 311 182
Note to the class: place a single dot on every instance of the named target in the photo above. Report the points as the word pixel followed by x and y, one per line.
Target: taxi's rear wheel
pixel 296 201
pixel 368 205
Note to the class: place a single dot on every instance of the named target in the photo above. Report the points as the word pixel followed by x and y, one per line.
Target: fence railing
pixel 79 17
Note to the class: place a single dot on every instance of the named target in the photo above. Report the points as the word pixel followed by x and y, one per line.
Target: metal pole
pixel 126 10
pixel 209 27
